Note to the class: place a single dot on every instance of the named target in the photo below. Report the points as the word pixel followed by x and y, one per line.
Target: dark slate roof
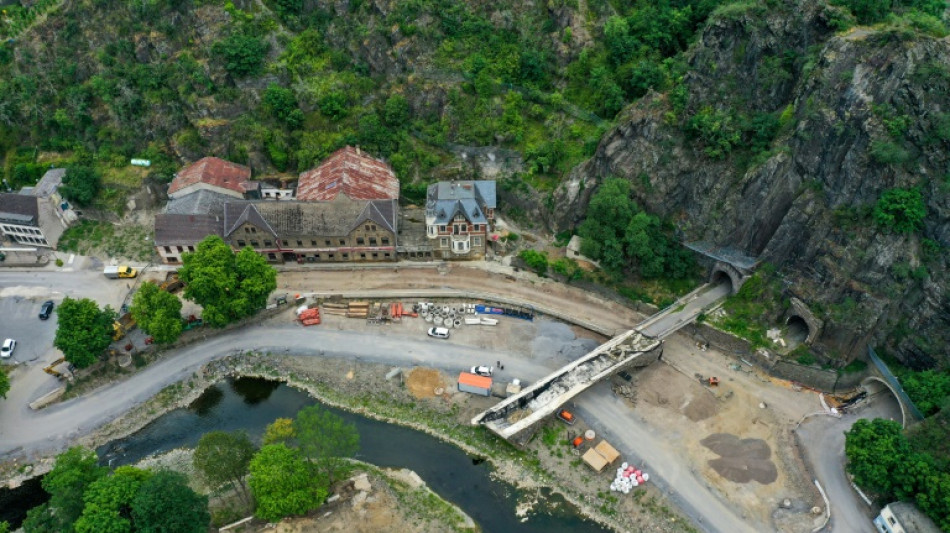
pixel 471 198
pixel 237 213
pixel 49 183
pixel 201 202
pixel 336 217
pixel 179 230
pixel 19 209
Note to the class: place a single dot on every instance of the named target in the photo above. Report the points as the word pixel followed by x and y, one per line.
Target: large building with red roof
pixel 212 174
pixel 352 172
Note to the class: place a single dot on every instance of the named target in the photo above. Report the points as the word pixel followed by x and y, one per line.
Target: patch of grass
pixel 90 237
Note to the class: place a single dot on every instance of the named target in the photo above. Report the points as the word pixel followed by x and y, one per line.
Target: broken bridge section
pixel 518 417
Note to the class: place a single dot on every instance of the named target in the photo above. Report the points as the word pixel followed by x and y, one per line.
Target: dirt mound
pixel 422 382
pixel 741 460
pixel 663 386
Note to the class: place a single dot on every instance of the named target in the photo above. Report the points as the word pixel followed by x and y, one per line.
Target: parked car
pixel 8 346
pixel 483 370
pixel 439 333
pixel 46 309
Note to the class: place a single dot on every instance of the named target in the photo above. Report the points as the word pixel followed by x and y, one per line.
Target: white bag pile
pixel 627 478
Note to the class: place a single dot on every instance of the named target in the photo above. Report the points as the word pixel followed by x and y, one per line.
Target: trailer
pixel 474 384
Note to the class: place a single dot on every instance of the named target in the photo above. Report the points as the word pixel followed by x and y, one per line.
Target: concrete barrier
pixel 47 398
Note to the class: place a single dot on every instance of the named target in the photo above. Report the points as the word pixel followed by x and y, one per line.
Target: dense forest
pixel 280 84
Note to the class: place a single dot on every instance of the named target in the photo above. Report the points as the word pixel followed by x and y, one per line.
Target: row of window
pixel 168 249
pixel 345 256
pixel 461 228
pixel 20 230
pixel 444 242
pixel 360 241
pixel 31 240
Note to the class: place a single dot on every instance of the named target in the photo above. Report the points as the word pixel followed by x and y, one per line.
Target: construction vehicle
pixel 61 369
pixel 172 284
pixel 116 272
pixel 710 381
pixel 122 326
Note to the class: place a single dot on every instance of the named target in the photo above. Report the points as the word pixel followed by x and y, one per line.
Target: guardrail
pixel 891 380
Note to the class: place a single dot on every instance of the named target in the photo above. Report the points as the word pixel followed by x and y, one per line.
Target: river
pixel 250 404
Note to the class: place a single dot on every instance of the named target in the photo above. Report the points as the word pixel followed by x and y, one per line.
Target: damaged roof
pixel 350 171
pixel 337 217
pixel 212 171
pixel 183 229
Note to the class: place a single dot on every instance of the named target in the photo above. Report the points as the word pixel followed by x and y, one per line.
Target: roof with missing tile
pixel 352 172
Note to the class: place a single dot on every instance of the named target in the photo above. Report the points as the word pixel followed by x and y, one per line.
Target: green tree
pixel 243 54
pixel 228 286
pixel 224 457
pixel 282 483
pixel 81 184
pixel 928 389
pixel 75 470
pixel 166 504
pixel 83 331
pixel 157 312
pixel 901 210
pixel 876 449
pixel 282 105
pixel 280 430
pixel 108 501
pixel 4 382
pixel 608 214
pixel 333 105
pixel 396 111
pixel 325 439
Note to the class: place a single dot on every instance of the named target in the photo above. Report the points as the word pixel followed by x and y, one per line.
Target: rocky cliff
pixel 855 113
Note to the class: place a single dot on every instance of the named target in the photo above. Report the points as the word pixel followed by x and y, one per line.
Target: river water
pixel 250 404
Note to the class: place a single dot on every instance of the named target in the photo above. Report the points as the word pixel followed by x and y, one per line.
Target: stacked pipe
pixel 628 477
pixel 357 310
pixel 310 317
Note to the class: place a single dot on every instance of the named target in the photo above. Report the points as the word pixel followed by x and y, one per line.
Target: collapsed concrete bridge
pixel 516 418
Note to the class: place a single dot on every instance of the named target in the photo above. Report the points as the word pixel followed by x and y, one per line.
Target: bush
pixel 243 54
pixel 900 210
pixel 81 185
pixel 537 261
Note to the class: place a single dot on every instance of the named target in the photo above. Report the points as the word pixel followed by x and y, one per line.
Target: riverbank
pixel 364 389
pixel 372 499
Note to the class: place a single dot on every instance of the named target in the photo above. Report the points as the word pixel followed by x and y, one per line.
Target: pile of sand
pixel 742 460
pixel 422 382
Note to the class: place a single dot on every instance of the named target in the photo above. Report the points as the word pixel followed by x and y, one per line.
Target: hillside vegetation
pixel 280 84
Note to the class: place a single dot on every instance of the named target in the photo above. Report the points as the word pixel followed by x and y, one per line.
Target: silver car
pixel 439 333
pixel 483 370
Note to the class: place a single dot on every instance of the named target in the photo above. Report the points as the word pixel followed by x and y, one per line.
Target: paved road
pixel 21 293
pixel 823 437
pixel 640 445
pixel 667 322
pixel 56 426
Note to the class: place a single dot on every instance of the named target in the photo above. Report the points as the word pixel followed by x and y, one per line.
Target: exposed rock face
pixel 806 208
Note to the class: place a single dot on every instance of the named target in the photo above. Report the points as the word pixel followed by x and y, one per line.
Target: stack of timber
pixel 357 310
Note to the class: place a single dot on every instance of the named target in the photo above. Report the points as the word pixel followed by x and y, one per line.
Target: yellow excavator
pixel 61 369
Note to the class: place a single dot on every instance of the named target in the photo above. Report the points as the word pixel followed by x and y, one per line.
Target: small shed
pixel 474 384
pixel 600 456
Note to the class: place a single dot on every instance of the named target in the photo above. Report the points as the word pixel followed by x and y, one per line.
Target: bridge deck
pixel 520 412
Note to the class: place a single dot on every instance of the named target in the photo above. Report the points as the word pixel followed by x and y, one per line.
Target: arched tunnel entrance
pixel 797 331
pixel 884 400
pixel 725 273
